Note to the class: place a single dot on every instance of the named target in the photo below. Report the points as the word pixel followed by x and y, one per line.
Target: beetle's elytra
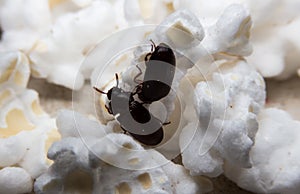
pixel 159 74
pixel 133 117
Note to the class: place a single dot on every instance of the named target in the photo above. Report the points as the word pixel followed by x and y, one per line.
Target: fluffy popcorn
pixel 25 130
pixel 274 34
pixel 276 56
pixel 275 156
pixel 22 23
pixel 73 124
pixel 70 155
pixel 226 106
pixel 73 35
pixel 15 180
pixel 139 12
pixel 107 163
pixel 142 171
pixel 233 40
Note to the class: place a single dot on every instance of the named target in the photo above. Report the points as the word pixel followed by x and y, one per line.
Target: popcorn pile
pixel 274 34
pixel 216 106
pixel 275 156
pixel 106 162
pixel 26 131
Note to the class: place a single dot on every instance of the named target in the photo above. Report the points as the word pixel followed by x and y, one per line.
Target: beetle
pixel 159 74
pixel 133 117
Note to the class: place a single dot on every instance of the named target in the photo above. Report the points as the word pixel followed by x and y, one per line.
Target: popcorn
pixel 70 155
pixel 61 51
pixel 150 12
pixel 15 180
pixel 138 170
pixel 233 40
pixel 275 156
pixel 215 127
pixel 25 130
pixel 280 48
pixel 22 23
pixel 226 106
pixel 73 124
pixel 274 34
pixel 111 163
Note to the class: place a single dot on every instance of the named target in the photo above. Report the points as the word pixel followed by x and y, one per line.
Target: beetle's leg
pixel 139 74
pixel 117 79
pixel 137 89
pixel 167 123
pixel 98 90
pixel 124 131
pixel 108 110
pixel 152 45
pixel 147 57
pixel 152 50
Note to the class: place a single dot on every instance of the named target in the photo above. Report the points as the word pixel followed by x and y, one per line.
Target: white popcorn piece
pixel 208 12
pixel 72 36
pixel 276 55
pixel 226 106
pixel 181 29
pixel 73 124
pixel 25 130
pixel 69 172
pixel 15 180
pixel 275 156
pixel 70 155
pixel 274 34
pixel 230 34
pixel 22 23
pixel 59 8
pixel 87 163
pixel 139 12
pixel 131 168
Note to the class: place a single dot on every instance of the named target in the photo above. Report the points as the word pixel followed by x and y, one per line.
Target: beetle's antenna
pixel 98 90
pixel 140 73
pixel 117 79
pixel 152 45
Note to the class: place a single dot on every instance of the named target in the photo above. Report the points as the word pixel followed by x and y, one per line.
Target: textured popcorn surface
pixel 113 163
pixel 15 180
pixel 21 25
pixel 273 35
pixel 227 108
pixel 25 130
pixel 275 156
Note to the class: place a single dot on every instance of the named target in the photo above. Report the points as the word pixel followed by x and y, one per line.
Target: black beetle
pixel 133 117
pixel 159 74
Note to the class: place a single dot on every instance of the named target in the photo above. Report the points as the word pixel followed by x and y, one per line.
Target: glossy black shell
pixel 151 139
pixel 134 117
pixel 159 74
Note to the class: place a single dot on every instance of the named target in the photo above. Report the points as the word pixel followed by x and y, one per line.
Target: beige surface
pixel 282 94
pixel 285 95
